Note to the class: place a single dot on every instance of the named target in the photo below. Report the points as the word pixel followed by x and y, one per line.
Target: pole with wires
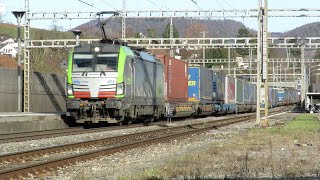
pixel 171 37
pixel 262 65
pixel 123 21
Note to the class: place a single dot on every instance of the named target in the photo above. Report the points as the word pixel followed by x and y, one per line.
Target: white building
pixel 8 47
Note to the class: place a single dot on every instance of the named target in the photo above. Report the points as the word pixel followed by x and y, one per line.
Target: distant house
pixel 5 40
pixel 8 49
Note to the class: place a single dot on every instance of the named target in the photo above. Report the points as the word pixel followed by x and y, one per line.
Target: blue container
pixel 240 91
pixel 200 86
pixel 280 95
pixel 218 86
pixel 252 93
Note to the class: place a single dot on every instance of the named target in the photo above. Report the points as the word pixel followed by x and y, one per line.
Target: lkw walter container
pixel 200 84
pixel 176 79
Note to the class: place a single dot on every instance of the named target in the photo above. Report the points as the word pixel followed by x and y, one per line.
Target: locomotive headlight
pixel 96 49
pixel 69 89
pixel 120 88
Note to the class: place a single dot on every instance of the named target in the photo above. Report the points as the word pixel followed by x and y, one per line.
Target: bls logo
pixel 76 82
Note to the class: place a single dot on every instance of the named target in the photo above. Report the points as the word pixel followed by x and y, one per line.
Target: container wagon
pixel 272 97
pixel 200 90
pixel 218 88
pixel 176 87
pixel 230 94
pixel 280 96
pixel 252 97
pixel 240 102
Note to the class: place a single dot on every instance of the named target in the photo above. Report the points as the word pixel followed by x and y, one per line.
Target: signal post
pixel 262 66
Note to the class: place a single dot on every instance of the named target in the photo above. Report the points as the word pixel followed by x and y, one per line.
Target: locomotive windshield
pixel 91 62
pixel 82 62
pixel 107 62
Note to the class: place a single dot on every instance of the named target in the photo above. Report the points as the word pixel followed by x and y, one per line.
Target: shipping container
pixel 246 91
pixel 200 84
pixel 230 90
pixel 175 78
pixel 291 96
pixel 218 86
pixel 272 97
pixel 239 91
pixel 280 97
pixel 252 93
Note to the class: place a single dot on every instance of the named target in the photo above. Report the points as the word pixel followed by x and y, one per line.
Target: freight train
pixel 113 83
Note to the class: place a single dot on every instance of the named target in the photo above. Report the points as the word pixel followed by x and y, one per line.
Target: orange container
pixel 175 78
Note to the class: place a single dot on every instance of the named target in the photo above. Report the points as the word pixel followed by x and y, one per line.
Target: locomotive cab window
pixel 107 62
pixel 82 62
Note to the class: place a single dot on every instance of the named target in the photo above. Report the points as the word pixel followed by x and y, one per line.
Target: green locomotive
pixel 113 83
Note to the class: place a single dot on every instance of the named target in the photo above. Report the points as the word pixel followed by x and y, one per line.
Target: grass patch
pixel 288 151
pixel 304 122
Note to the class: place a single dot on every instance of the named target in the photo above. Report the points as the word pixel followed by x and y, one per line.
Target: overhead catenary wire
pixel 158 6
pixel 89 4
pixel 223 30
pixel 138 25
pixel 235 29
pixel 228 4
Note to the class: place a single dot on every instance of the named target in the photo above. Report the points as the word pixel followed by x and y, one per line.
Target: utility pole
pixel 303 76
pixel 123 20
pixel 19 15
pixel 250 63
pixel 171 36
pixel 229 58
pixel 262 65
pixel 26 60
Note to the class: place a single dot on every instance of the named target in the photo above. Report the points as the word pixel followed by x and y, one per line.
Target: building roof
pixel 3 38
pixel 2 45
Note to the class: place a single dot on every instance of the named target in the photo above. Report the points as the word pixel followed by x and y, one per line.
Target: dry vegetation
pixel 284 151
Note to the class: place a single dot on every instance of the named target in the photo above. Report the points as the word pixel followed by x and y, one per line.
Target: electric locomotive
pixel 113 83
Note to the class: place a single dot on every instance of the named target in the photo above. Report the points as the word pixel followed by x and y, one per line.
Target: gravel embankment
pixel 134 161
pixel 55 141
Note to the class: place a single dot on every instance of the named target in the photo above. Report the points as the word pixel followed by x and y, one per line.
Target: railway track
pixel 22 163
pixel 34 135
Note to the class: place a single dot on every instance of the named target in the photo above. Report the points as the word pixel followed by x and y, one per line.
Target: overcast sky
pixel 275 24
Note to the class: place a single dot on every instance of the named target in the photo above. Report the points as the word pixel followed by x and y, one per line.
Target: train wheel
pixel 71 121
pixel 87 125
pixel 128 122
